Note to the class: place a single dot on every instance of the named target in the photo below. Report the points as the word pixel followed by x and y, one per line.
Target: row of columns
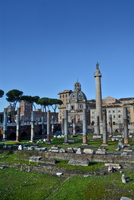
pixel 126 137
pixel 65 126
pixel 32 125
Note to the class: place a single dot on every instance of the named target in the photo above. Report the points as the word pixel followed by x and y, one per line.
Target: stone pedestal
pixel 32 126
pixel 84 126
pixel 48 127
pixel 5 125
pixel 126 138
pixel 18 126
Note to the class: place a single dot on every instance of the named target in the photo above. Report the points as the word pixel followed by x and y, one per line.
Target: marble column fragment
pixel 62 126
pixel 5 124
pixel 48 127
pixel 110 125
pixel 98 126
pixel 52 125
pixel 84 127
pixel 104 128
pixel 65 126
pixel 74 125
pixel 32 125
pixel 42 127
pixel 126 138
pixel 18 125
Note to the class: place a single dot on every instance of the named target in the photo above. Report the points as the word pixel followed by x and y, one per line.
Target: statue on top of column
pixel 97 65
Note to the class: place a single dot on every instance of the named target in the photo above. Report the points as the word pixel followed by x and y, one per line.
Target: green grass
pixel 22 185
pixel 92 167
pixel 94 187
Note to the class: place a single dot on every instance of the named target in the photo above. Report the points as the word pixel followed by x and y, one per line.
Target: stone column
pixel 110 125
pixel 98 126
pixel 84 126
pixel 32 125
pixel 66 126
pixel 98 97
pixel 74 125
pixel 104 128
pixel 5 125
pixel 42 127
pixel 126 138
pixel 52 125
pixel 18 125
pixel 48 128
pixel 62 126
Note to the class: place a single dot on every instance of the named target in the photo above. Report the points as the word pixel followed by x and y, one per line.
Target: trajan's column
pixel 97 76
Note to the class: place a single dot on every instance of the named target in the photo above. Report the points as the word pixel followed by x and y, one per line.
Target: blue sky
pixel 45 45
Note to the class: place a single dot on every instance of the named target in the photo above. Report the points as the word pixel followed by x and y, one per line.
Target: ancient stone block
pixel 101 152
pixel 35 158
pixel 55 150
pixel 88 151
pixel 80 162
pixel 62 150
pixel 116 166
pixel 123 178
pixel 96 136
pixel 79 151
pixel 20 147
pixel 71 141
pixel 125 198
pixel 70 150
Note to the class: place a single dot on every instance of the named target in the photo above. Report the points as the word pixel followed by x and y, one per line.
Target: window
pixel 105 100
pixel 66 95
pixel 119 111
pixel 63 95
pixel 60 96
pixel 72 107
pixel 119 116
pixel 109 111
pixel 92 117
pixel 92 112
pixel 114 116
pixel 113 111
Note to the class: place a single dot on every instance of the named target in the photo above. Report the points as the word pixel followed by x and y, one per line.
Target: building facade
pixel 114 107
pixel 74 101
pixel 64 97
pixel 25 113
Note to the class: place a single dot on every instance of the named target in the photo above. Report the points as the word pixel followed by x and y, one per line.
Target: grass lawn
pixel 38 186
pixel 15 184
pixel 94 187
pixel 22 185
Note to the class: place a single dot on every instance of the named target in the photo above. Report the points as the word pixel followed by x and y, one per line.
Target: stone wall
pixel 68 156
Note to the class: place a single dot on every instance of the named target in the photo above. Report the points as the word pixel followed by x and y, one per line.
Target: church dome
pixel 77 95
